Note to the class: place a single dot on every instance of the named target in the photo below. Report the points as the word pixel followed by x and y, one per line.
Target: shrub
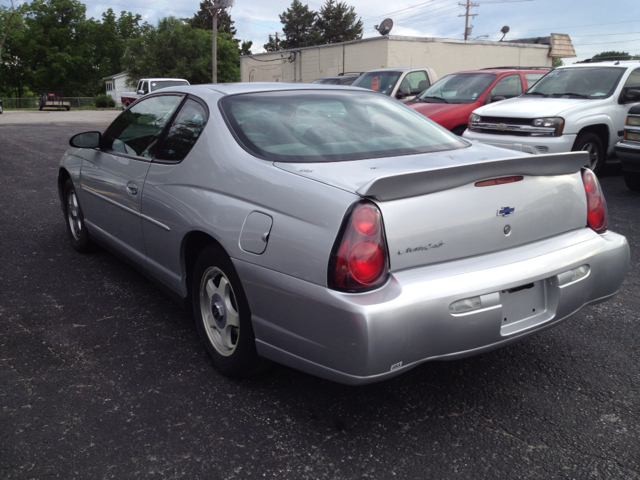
pixel 104 101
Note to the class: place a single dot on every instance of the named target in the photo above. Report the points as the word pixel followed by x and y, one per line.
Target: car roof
pixel 257 87
pixel 609 63
pixel 506 70
pixel 346 75
pixel 163 78
pixel 396 69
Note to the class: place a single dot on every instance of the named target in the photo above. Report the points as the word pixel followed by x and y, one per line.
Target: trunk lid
pixel 436 213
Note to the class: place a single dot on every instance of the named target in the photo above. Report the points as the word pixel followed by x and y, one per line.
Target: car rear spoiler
pixel 405 185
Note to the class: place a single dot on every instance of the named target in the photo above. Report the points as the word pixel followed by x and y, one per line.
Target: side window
pixel 632 83
pixel 137 130
pixel 508 87
pixel 532 78
pixel 416 82
pixel 184 132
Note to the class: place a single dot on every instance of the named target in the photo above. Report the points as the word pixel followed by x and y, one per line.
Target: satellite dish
pixel 504 31
pixel 385 27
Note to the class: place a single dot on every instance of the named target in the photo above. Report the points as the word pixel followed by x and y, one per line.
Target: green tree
pixel 338 22
pixel 14 74
pixel 298 26
pixel 245 49
pixel 273 45
pixel 56 50
pixel 615 55
pixel 6 16
pixel 557 62
pixel 204 20
pixel 176 49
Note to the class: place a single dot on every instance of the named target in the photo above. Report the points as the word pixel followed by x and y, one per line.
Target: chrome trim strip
pixel 112 202
pixel 513 128
pixel 155 222
pixel 127 209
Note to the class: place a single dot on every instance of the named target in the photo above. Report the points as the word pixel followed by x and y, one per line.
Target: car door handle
pixel 132 187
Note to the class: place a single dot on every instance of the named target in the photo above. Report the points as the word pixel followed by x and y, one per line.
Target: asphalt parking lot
pixel 102 376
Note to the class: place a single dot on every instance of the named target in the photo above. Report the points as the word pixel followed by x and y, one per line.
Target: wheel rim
pixel 73 214
pixel 592 149
pixel 219 311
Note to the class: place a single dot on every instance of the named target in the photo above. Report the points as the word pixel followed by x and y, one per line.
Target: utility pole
pixel 214 10
pixel 467 15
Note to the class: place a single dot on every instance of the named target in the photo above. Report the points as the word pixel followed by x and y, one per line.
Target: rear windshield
pixel 329 81
pixel 587 82
pixel 158 84
pixel 330 126
pixel 382 82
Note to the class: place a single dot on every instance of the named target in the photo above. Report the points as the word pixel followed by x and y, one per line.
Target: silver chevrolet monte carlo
pixel 335 230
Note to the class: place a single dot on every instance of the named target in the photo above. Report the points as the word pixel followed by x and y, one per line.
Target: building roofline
pixel 409 39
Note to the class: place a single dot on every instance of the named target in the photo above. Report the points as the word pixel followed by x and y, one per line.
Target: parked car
pixel 575 107
pixel 402 83
pixel 451 99
pixel 340 79
pixel 148 85
pixel 628 150
pixel 336 231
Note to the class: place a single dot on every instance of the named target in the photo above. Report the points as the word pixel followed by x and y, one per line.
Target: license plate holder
pixel 523 307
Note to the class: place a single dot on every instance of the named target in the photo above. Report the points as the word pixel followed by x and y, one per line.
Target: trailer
pixel 53 100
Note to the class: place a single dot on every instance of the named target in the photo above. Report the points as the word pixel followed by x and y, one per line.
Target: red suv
pixel 450 100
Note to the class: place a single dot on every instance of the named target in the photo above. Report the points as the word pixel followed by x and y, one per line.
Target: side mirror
pixel 403 92
pixel 140 92
pixel 631 95
pixel 86 140
pixel 497 98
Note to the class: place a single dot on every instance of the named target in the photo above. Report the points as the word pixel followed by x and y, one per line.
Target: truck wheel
pixel 632 179
pixel 68 108
pixel 591 143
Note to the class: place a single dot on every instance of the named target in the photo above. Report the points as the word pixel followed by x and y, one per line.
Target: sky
pixel 593 25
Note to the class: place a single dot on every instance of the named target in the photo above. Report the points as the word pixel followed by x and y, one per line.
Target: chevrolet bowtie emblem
pixel 505 211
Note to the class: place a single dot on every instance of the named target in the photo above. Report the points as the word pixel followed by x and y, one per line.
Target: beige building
pixel 442 54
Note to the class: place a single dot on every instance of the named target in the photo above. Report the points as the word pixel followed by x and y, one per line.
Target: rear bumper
pixel 534 145
pixel 364 338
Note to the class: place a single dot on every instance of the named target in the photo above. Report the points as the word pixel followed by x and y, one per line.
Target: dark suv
pixel 341 79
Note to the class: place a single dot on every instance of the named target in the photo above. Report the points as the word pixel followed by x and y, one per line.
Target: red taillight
pixel 359 258
pixel 596 206
pixel 499 181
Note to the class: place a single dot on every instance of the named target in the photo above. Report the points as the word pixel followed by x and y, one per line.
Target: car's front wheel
pixel 222 315
pixel 80 239
pixel 591 143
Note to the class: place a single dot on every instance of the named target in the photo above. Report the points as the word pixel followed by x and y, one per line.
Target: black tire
pixel 459 130
pixel 632 179
pixel 76 228
pixel 68 108
pixel 591 143
pixel 222 315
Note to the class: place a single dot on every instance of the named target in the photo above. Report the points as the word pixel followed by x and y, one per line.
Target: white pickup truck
pixel 148 85
pixel 575 107
pixel 402 83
